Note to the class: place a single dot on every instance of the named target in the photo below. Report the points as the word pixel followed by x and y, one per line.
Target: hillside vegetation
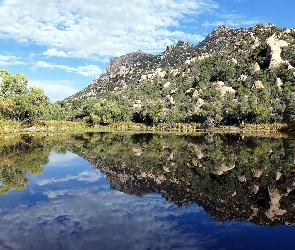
pixel 233 77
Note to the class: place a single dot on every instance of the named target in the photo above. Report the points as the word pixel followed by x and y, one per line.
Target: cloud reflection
pixel 93 219
pixel 62 160
pixel 87 176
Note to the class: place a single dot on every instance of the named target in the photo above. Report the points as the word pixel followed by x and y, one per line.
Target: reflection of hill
pixel 233 178
pixel 139 186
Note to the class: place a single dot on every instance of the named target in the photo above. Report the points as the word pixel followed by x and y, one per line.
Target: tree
pixel 59 110
pixel 11 85
pixel 289 100
pixel 19 103
pixel 259 55
pixel 102 111
pixel 36 104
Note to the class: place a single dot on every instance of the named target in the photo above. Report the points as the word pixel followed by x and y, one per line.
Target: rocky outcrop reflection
pixel 231 177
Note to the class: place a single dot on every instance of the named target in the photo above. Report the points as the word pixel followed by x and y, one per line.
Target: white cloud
pixel 10 60
pixel 51 52
pixel 55 90
pixel 83 176
pixel 55 52
pixel 99 28
pixel 88 70
pixel 53 194
pixel 232 20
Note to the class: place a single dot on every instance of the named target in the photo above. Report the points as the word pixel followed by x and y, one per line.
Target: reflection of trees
pixel 23 154
pixel 230 176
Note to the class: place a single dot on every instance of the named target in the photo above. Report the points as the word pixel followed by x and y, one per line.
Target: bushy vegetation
pixel 152 102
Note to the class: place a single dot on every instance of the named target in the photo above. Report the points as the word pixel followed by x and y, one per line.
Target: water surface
pixel 147 191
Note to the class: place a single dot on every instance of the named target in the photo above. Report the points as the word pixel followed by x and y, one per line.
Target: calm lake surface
pixel 147 191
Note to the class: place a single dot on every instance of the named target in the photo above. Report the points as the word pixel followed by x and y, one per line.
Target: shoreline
pixel 270 130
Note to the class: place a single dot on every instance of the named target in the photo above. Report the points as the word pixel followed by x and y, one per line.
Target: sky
pixel 62 45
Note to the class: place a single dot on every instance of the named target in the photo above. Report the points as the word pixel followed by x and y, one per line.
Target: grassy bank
pixel 61 126
pixel 40 126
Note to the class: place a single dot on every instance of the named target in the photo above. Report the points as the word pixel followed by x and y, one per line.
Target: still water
pixel 147 191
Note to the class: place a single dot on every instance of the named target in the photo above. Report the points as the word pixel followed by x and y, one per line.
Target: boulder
pixel 223 168
pixel 256 67
pixel 143 78
pixel 197 93
pixel 243 77
pixel 166 85
pixel 137 104
pixel 222 88
pixel 257 85
pixel 274 209
pixel 199 104
pixel 279 82
pixel 234 60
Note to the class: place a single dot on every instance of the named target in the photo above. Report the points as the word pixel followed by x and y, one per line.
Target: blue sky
pixel 62 45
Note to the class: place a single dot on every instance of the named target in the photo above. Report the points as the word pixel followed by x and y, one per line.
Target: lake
pixel 147 191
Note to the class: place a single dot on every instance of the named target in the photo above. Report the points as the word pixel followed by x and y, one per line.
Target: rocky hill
pixel 233 76
pixel 135 67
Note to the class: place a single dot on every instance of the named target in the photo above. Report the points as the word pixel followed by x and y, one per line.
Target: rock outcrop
pixel 274 51
pixel 274 210
pixel 279 83
pixel 123 64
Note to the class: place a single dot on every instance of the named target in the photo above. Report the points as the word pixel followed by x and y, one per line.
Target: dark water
pixel 108 191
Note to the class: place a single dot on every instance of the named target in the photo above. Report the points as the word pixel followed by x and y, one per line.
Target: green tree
pixel 19 103
pixel 11 85
pixel 36 104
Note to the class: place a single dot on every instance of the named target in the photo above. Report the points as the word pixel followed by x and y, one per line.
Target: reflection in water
pixel 70 205
pixel 87 216
pixel 232 178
